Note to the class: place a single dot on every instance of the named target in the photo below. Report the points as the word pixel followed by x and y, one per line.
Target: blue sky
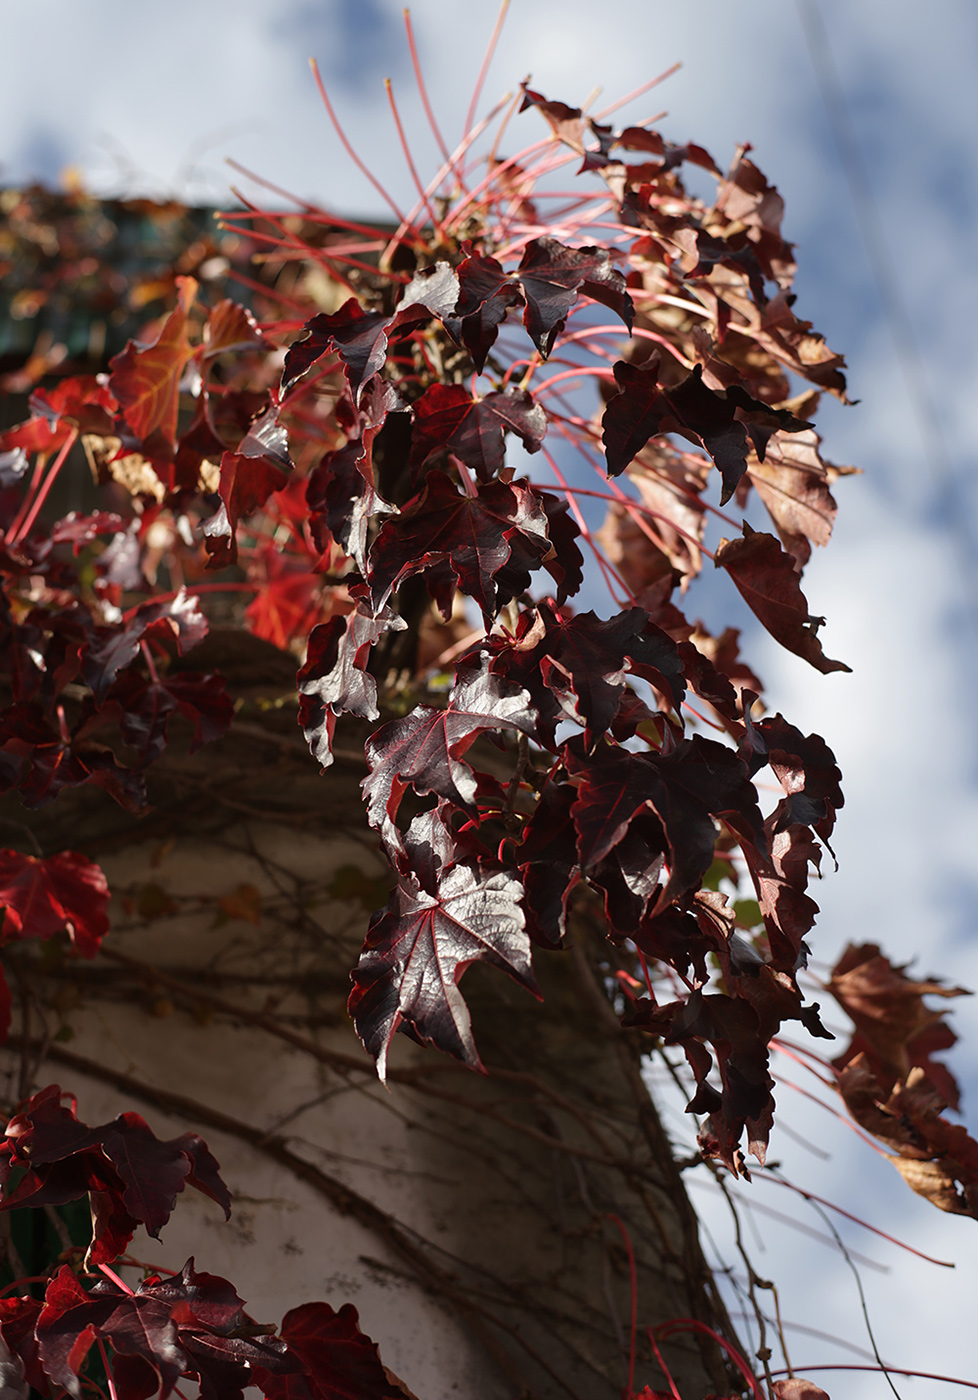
pixel 151 97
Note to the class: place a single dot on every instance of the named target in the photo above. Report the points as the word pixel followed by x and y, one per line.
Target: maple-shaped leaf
pixel 191 1324
pixel 937 1159
pixel 146 378
pixel 46 895
pixel 641 138
pixel 447 416
pixel 133 1176
pixel 339 1361
pixel 731 1026
pixel 334 679
pixel 114 648
pixel 685 789
pixel 472 537
pixel 417 949
pixel 360 338
pixel 727 424
pixel 566 123
pixel 766 579
pixel 426 748
pixel 551 275
pixel 575 667
pixel 546 283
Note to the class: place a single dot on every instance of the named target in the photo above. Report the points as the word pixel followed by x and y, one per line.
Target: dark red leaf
pixel 340 1362
pixel 82 401
pixel 39 761
pixel 446 416
pixel 48 895
pixel 486 294
pixel 575 667
pixel 133 1176
pixel 567 123
pixel 418 948
pixel 893 1024
pixel 245 485
pixel 267 439
pixel 360 338
pixel 685 789
pixel 425 749
pixel 334 679
pixel 804 765
pixel 548 865
pixel 18 1318
pixel 341 491
pixel 780 872
pixel 766 578
pixel 552 274
pixel 727 424
pixel 473 536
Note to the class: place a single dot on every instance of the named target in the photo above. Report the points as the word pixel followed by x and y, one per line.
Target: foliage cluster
pixel 345 443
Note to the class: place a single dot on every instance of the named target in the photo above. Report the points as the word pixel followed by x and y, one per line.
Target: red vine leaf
pixel 766 579
pixel 339 1361
pixel 727 424
pixel 425 749
pixel 146 379
pixel 417 949
pixel 575 667
pixel 446 416
pixel 48 895
pixel 113 649
pixel 134 1176
pixel 334 679
pixel 485 296
pixel 473 537
pixel 895 1030
pixel 190 1324
pixel 551 275
pixel 685 789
